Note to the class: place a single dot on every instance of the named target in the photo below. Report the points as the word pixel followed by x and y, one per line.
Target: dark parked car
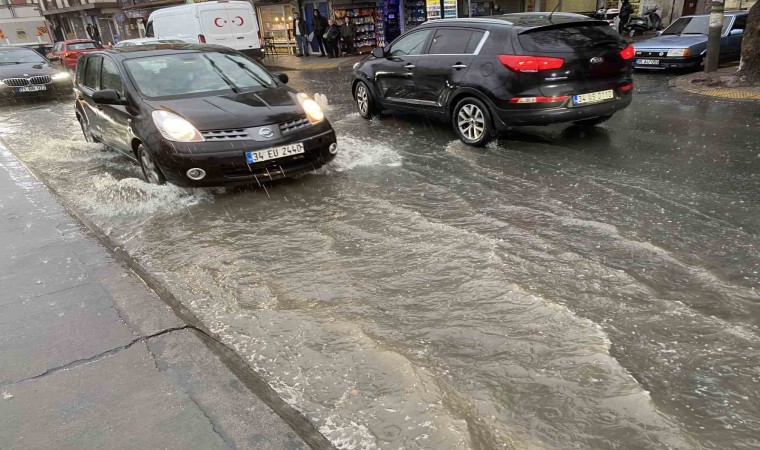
pixel 26 73
pixel 683 44
pixel 485 74
pixel 200 115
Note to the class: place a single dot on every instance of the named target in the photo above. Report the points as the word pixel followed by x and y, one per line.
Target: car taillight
pixel 561 98
pixel 521 63
pixel 628 52
pixel 201 39
pixel 69 54
pixel 626 87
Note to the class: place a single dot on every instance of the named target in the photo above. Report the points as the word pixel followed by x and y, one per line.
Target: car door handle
pixel 459 66
pixel 409 66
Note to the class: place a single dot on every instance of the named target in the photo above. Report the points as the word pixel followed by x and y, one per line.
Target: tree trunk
pixel 750 63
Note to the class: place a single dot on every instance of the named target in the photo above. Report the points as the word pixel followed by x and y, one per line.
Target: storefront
pixel 276 26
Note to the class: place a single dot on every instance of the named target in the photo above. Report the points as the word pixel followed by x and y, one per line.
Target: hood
pixel 26 70
pixel 244 110
pixel 671 41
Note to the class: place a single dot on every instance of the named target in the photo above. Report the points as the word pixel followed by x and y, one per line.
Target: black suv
pixel 486 74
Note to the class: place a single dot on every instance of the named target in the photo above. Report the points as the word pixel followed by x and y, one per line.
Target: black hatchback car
pixel 200 115
pixel 486 74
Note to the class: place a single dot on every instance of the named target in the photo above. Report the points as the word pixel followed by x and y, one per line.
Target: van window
pixel 149 30
pixel 568 38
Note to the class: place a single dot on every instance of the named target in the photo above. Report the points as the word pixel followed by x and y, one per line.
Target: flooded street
pixel 561 288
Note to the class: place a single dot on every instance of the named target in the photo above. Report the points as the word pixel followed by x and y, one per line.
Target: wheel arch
pixel 135 144
pixel 463 93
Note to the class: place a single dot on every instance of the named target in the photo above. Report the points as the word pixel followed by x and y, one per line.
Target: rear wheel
pixel 150 168
pixel 364 101
pixel 472 122
pixel 592 122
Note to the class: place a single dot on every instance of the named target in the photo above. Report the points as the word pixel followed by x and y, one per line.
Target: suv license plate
pixel 650 62
pixel 593 97
pixel 34 88
pixel 274 153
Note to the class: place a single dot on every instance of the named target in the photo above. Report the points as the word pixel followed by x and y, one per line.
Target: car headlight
pixel 311 108
pixel 175 128
pixel 60 76
pixel 679 52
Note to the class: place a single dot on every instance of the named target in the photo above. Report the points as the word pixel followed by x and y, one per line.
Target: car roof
pixel 726 13
pixel 142 51
pixel 520 20
pixel 76 41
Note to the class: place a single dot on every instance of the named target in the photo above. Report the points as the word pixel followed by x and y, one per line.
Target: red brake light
pixel 626 87
pixel 201 39
pixel 520 63
pixel 561 98
pixel 628 52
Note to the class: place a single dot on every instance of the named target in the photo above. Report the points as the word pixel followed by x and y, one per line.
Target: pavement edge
pixel 253 381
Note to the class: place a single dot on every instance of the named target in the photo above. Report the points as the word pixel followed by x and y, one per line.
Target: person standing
pixel 625 15
pixel 496 10
pixel 332 35
pixel 299 30
pixel 319 24
pixel 348 33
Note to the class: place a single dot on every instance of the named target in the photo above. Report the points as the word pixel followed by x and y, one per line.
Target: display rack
pixel 433 9
pixel 388 22
pixel 364 19
pixel 450 9
pixel 414 13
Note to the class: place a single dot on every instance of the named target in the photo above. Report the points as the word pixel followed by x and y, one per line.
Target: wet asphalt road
pixel 560 288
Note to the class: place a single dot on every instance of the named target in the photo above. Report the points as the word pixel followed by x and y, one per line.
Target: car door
pixel 217 25
pixel 449 57
pixel 115 119
pixel 243 25
pixel 88 81
pixel 394 74
pixel 731 43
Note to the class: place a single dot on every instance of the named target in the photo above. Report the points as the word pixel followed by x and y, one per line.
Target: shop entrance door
pixel 308 16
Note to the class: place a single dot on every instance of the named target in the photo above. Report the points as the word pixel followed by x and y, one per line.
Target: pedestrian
pixel 299 30
pixel 625 15
pixel 320 28
pixel 332 36
pixel 348 34
pixel 496 10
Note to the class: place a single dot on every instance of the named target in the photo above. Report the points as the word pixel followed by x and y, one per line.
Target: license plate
pixel 651 62
pixel 593 97
pixel 274 153
pixel 34 88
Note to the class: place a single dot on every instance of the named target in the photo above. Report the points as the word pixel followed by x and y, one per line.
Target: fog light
pixel 196 174
pixel 334 148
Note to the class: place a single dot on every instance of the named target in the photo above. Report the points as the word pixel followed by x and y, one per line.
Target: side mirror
pixel 378 52
pixel 659 33
pixel 283 77
pixel 108 97
pixel 736 32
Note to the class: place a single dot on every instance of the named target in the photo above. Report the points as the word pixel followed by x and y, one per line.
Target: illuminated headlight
pixel 311 108
pixel 60 76
pixel 175 128
pixel 679 52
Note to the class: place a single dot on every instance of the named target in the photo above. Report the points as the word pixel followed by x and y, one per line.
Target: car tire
pixel 86 130
pixel 592 122
pixel 365 103
pixel 150 168
pixel 472 122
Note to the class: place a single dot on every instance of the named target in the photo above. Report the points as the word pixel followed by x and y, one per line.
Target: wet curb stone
pixel 694 83
pixel 98 353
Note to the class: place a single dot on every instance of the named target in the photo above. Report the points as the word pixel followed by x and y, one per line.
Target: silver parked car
pixel 683 44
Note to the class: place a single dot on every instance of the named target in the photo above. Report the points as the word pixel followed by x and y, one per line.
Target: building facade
pixel 84 19
pixel 21 22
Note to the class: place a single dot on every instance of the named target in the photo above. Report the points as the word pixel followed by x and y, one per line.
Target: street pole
pixel 713 37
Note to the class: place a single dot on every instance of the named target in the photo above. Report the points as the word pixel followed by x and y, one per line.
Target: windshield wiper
pixel 250 72
pixel 229 82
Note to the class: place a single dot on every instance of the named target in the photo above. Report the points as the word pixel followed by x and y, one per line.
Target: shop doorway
pixel 308 15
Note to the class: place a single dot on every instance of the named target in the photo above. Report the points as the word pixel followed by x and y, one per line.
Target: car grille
pixel 657 54
pixel 43 79
pixel 293 125
pixel 18 82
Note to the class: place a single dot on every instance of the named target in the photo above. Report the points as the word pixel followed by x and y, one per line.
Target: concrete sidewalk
pixel 92 358
pixel 311 62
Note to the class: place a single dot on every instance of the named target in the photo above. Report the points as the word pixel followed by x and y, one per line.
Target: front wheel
pixel 150 168
pixel 364 101
pixel 472 122
pixel 86 130
pixel 592 122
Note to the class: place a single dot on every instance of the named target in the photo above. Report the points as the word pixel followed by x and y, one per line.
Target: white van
pixel 229 23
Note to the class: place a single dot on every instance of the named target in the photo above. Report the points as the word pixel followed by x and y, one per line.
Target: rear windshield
pixel 83 46
pixel 568 38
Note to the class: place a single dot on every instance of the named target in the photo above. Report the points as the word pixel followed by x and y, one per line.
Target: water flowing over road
pixel 561 288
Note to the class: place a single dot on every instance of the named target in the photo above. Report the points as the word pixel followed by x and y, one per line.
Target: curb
pixel 252 380
pixel 685 83
pixel 725 93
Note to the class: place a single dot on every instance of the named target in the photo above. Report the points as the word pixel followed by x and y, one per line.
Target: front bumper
pixel 546 114
pixel 225 163
pixel 55 89
pixel 663 62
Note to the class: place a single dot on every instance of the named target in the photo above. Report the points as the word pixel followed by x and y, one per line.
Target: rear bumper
pixel 687 62
pixel 533 114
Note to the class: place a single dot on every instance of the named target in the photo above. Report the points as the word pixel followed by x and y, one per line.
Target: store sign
pixel 21 33
pixel 433 9
pixel 41 31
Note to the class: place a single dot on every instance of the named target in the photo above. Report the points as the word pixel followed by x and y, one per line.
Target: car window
pixel 57 47
pixel 693 25
pixel 475 39
pixel 411 44
pixel 84 45
pixel 174 74
pixel 740 23
pixel 111 78
pixel 92 72
pixel 571 37
pixel 451 41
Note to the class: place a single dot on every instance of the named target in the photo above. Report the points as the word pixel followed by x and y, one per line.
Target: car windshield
pixel 20 56
pixel 693 25
pixel 194 73
pixel 83 46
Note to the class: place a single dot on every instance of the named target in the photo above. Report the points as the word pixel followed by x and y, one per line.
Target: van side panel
pixel 234 19
pixel 176 25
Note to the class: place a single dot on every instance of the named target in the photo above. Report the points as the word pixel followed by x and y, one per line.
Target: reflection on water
pixel 560 288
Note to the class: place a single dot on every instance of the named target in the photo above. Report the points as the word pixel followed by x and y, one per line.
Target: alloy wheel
pixel 362 99
pixel 471 122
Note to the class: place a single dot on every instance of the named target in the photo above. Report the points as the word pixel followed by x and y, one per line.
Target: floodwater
pixel 558 289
